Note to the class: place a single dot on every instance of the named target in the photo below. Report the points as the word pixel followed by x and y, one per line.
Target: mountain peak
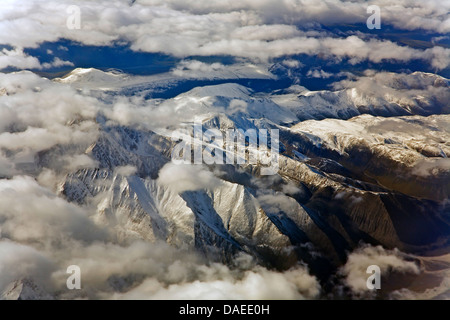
pixel 91 75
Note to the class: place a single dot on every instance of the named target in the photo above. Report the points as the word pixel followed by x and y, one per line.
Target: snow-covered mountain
pixel 24 289
pixel 386 94
pixel 381 177
pixel 224 149
pixel 354 180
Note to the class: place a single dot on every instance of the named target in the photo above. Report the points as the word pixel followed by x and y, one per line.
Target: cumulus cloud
pixel 259 284
pixel 412 15
pixel 194 105
pixel 159 271
pixel 38 114
pixel 431 166
pixel 292 63
pixel 186 67
pixel 259 30
pixel 57 62
pixel 187 177
pixel 33 214
pixel 438 56
pixel 19 261
pixel 7 168
pixel 405 14
pixel 360 259
pixel 291 189
pixel 274 203
pixel 18 59
pixel 136 111
pixel 318 73
pixel 237 105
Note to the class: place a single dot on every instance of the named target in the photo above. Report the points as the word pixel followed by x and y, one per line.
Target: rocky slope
pixel 373 179
pixel 365 167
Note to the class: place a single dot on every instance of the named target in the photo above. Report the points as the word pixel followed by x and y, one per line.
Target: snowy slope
pixel 24 289
pixel 373 179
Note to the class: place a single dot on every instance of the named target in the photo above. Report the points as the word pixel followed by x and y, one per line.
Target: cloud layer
pixel 257 30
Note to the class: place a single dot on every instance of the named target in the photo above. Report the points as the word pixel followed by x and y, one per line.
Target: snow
pixel 241 213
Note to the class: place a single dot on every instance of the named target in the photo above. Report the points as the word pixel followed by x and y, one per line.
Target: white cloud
pixel 237 105
pixel 187 177
pixel 318 73
pixel 252 29
pixel 125 170
pixel 79 161
pixel 57 62
pixel 291 63
pixel 439 57
pixel 19 261
pixel 273 203
pixel 16 58
pixel 431 166
pixel 38 114
pixel 360 259
pixel 186 66
pixel 33 214
pixel 259 284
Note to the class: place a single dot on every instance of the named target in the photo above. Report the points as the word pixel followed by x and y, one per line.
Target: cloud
pixel 237 105
pixel 16 58
pixel 187 177
pixel 141 113
pixel 197 104
pixel 79 161
pixel 405 14
pixel 360 259
pixel 7 168
pixel 33 214
pixel 438 56
pixel 435 40
pixel 259 284
pixel 318 73
pixel 413 15
pixel 291 189
pixel 125 170
pixel 159 271
pixel 37 115
pixel 57 62
pixel 185 67
pixel 274 203
pixel 431 166
pixel 19 261
pixel 258 30
pixel 292 63
pixel 265 32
